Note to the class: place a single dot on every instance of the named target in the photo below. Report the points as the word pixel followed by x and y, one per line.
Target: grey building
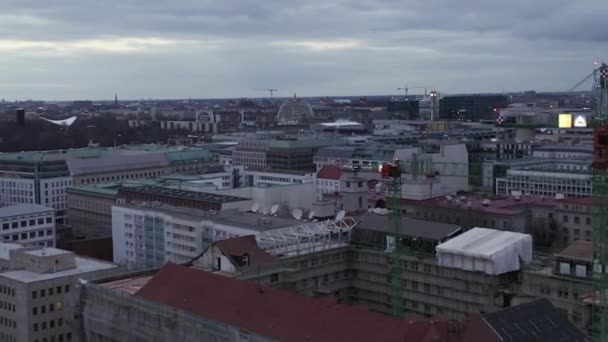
pixel 28 224
pixel 38 292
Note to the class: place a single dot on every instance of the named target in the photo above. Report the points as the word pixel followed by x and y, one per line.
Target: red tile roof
pixel 578 200
pixel 242 245
pixel 287 316
pixel 330 172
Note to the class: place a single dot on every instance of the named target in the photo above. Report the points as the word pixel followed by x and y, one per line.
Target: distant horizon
pixel 288 97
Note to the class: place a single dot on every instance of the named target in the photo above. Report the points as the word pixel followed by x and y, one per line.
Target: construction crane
pixel 600 203
pixel 406 89
pixel 270 90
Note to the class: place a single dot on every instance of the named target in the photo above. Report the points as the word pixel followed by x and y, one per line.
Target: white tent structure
pixel 63 123
pixel 486 250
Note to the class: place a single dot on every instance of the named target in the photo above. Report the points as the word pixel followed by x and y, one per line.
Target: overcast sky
pixel 88 49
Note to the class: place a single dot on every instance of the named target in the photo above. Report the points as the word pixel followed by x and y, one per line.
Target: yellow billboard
pixel 565 120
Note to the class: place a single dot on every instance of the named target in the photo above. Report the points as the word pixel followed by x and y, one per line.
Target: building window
pixel 34 311
pixel 588 221
pixel 34 294
pixel 576 219
pixel 565 218
pixel 42 293
pixel 274 277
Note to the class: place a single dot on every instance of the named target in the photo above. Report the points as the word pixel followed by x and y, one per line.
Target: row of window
pixel 8 323
pixel 121 177
pixel 6 306
pixel 50 291
pixel 51 307
pixel 577 220
pixel 29 235
pixel 58 338
pixel 7 290
pixel 50 324
pixel 26 223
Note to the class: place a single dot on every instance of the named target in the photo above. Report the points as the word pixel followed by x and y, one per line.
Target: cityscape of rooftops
pixel 357 170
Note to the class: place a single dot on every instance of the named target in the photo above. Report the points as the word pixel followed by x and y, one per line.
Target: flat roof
pixel 23 209
pixel 582 250
pixel 279 171
pixel 83 265
pixel 47 251
pixel 254 221
pixel 408 227
pixel 193 195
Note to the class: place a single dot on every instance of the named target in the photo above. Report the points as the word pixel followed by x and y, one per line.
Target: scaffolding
pixel 307 238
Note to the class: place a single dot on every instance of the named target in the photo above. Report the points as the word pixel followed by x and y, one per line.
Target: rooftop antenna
pixel 274 209
pixel 297 214
pixel 255 207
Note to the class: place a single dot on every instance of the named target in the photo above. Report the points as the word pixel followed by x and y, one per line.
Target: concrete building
pixel 28 224
pixel 574 217
pixel 472 107
pixel 39 293
pixel 43 177
pixel 281 152
pixel 548 177
pixel 563 151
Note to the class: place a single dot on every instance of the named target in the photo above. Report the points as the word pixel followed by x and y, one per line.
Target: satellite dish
pixel 340 215
pixel 255 207
pixel 274 209
pixel 297 214
pixel 311 215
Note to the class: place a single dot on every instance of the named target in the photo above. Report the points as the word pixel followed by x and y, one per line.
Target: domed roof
pixel 294 111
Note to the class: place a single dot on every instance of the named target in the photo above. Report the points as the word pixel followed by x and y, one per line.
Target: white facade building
pixel 28 224
pixel 270 177
pixel 149 236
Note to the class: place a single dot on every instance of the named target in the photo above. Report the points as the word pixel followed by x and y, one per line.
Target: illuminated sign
pixel 580 121
pixel 565 120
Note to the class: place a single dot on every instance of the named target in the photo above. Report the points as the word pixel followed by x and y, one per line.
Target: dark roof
pixel 185 194
pixel 330 172
pixel 537 321
pixel 287 316
pixel 409 227
pixel 239 246
pixel 579 249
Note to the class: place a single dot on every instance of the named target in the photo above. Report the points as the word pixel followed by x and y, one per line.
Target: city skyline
pixel 89 50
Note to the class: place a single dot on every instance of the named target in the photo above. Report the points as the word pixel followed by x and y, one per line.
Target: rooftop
pixel 274 313
pixel 278 171
pixel 255 221
pixel 582 250
pixel 47 251
pixel 23 209
pixel 409 227
pixel 505 205
pixel 330 172
pixel 242 245
pixel 83 265
pixel 176 193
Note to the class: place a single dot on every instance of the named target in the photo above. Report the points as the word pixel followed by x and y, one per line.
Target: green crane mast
pixel 600 203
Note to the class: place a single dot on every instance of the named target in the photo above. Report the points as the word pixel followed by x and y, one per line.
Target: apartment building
pixel 28 224
pixel 575 220
pixel 39 294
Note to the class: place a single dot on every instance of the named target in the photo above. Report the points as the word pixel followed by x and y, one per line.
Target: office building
pixel 471 107
pixel 39 292
pixel 43 177
pixel 271 177
pixel 28 224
